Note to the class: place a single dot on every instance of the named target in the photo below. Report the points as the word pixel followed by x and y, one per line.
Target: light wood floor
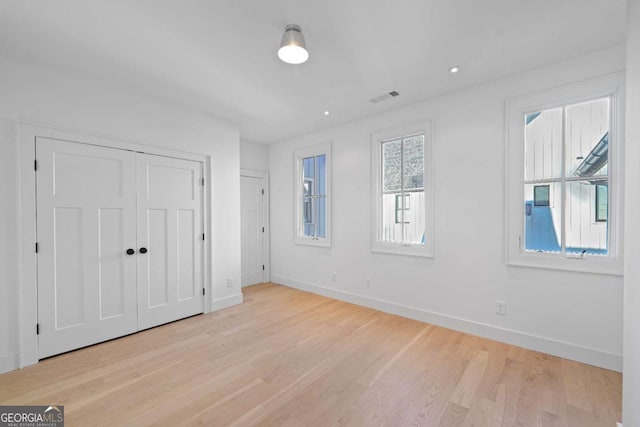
pixel 289 358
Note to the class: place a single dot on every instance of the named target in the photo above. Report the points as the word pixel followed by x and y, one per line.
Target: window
pixel 602 202
pixel 541 195
pixel 402 191
pixel 564 178
pixel 312 201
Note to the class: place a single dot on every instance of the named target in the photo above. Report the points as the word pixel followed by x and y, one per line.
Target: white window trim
pixel 427 250
pixel 610 85
pixel 298 232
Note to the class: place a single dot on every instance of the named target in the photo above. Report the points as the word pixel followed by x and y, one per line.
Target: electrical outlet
pixel 334 276
pixel 229 282
pixel 501 308
pixel 368 283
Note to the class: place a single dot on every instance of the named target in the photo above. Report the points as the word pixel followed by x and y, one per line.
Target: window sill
pixel 589 264
pixel 413 251
pixel 323 243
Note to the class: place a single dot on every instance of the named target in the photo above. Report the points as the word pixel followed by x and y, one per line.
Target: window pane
pixel 321 166
pixel 602 202
pixel 587 140
pixel 308 167
pixel 391 166
pixel 308 210
pixel 543 144
pixel 312 172
pixel 314 200
pixel 321 203
pixel 402 204
pixel 309 230
pixel 413 156
pixel 583 233
pixel 308 187
pixel 391 231
pixel 403 213
pixel 542 223
pixel 414 219
pixel 541 195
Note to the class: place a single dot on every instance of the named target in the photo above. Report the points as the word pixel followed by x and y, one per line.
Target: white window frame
pixel 377 138
pixel 298 191
pixel 607 86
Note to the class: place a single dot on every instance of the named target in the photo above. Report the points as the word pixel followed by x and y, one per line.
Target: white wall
pixel 631 377
pixel 35 94
pixel 575 315
pixel 8 251
pixel 254 156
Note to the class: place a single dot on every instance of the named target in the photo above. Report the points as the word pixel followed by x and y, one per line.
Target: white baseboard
pixel 532 342
pixel 220 303
pixel 9 362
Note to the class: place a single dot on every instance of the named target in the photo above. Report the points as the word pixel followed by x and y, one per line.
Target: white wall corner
pixel 532 342
pixel 9 362
pixel 631 296
pixel 226 302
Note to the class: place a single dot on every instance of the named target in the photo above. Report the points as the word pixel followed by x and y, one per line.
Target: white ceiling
pixel 220 55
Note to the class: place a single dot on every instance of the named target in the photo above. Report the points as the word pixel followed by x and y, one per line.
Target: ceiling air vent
pixel 384 97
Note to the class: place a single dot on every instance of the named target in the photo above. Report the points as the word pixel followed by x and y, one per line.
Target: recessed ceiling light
pixel 326 113
pixel 454 69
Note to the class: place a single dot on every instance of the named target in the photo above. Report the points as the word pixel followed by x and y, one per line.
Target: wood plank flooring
pixel 290 358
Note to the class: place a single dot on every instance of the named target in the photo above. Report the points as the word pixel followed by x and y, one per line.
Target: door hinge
pixel 263 229
pixel 202 181
pixel 203 291
pixel 37 328
pixel 37 247
pixel 35 165
pixel 262 267
pixel 202 236
pixel 263 191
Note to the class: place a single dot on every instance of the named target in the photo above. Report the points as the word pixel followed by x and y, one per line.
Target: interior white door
pixel 86 213
pixel 252 230
pixel 170 239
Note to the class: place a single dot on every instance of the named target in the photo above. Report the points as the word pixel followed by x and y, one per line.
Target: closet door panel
pixel 170 274
pixel 86 217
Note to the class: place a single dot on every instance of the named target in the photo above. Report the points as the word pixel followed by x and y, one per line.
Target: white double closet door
pixel 120 244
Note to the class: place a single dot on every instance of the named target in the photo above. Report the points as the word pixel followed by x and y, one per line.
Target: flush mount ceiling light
pixel 454 69
pixel 293 49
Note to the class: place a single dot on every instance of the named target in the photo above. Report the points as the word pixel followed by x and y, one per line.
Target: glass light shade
pixel 293 49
